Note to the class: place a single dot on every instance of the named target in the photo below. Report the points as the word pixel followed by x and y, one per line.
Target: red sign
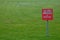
pixel 47 14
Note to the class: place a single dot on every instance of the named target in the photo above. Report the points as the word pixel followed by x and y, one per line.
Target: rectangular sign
pixel 47 14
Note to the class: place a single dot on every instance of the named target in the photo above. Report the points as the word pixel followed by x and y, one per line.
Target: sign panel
pixel 47 14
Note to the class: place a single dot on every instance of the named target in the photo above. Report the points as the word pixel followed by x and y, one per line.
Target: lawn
pixel 21 20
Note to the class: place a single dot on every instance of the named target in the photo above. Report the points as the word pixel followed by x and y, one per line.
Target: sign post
pixel 47 14
pixel 47 32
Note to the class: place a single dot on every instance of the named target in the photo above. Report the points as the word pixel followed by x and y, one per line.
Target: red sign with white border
pixel 47 14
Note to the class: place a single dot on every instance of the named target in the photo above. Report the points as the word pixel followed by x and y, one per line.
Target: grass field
pixel 21 20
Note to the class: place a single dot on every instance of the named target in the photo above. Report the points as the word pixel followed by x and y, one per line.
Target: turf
pixel 21 20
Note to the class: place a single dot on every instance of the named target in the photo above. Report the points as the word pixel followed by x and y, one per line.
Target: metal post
pixel 47 34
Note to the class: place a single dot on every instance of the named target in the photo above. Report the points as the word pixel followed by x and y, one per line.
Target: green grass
pixel 21 20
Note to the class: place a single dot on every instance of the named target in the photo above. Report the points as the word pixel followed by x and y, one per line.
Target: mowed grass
pixel 21 20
